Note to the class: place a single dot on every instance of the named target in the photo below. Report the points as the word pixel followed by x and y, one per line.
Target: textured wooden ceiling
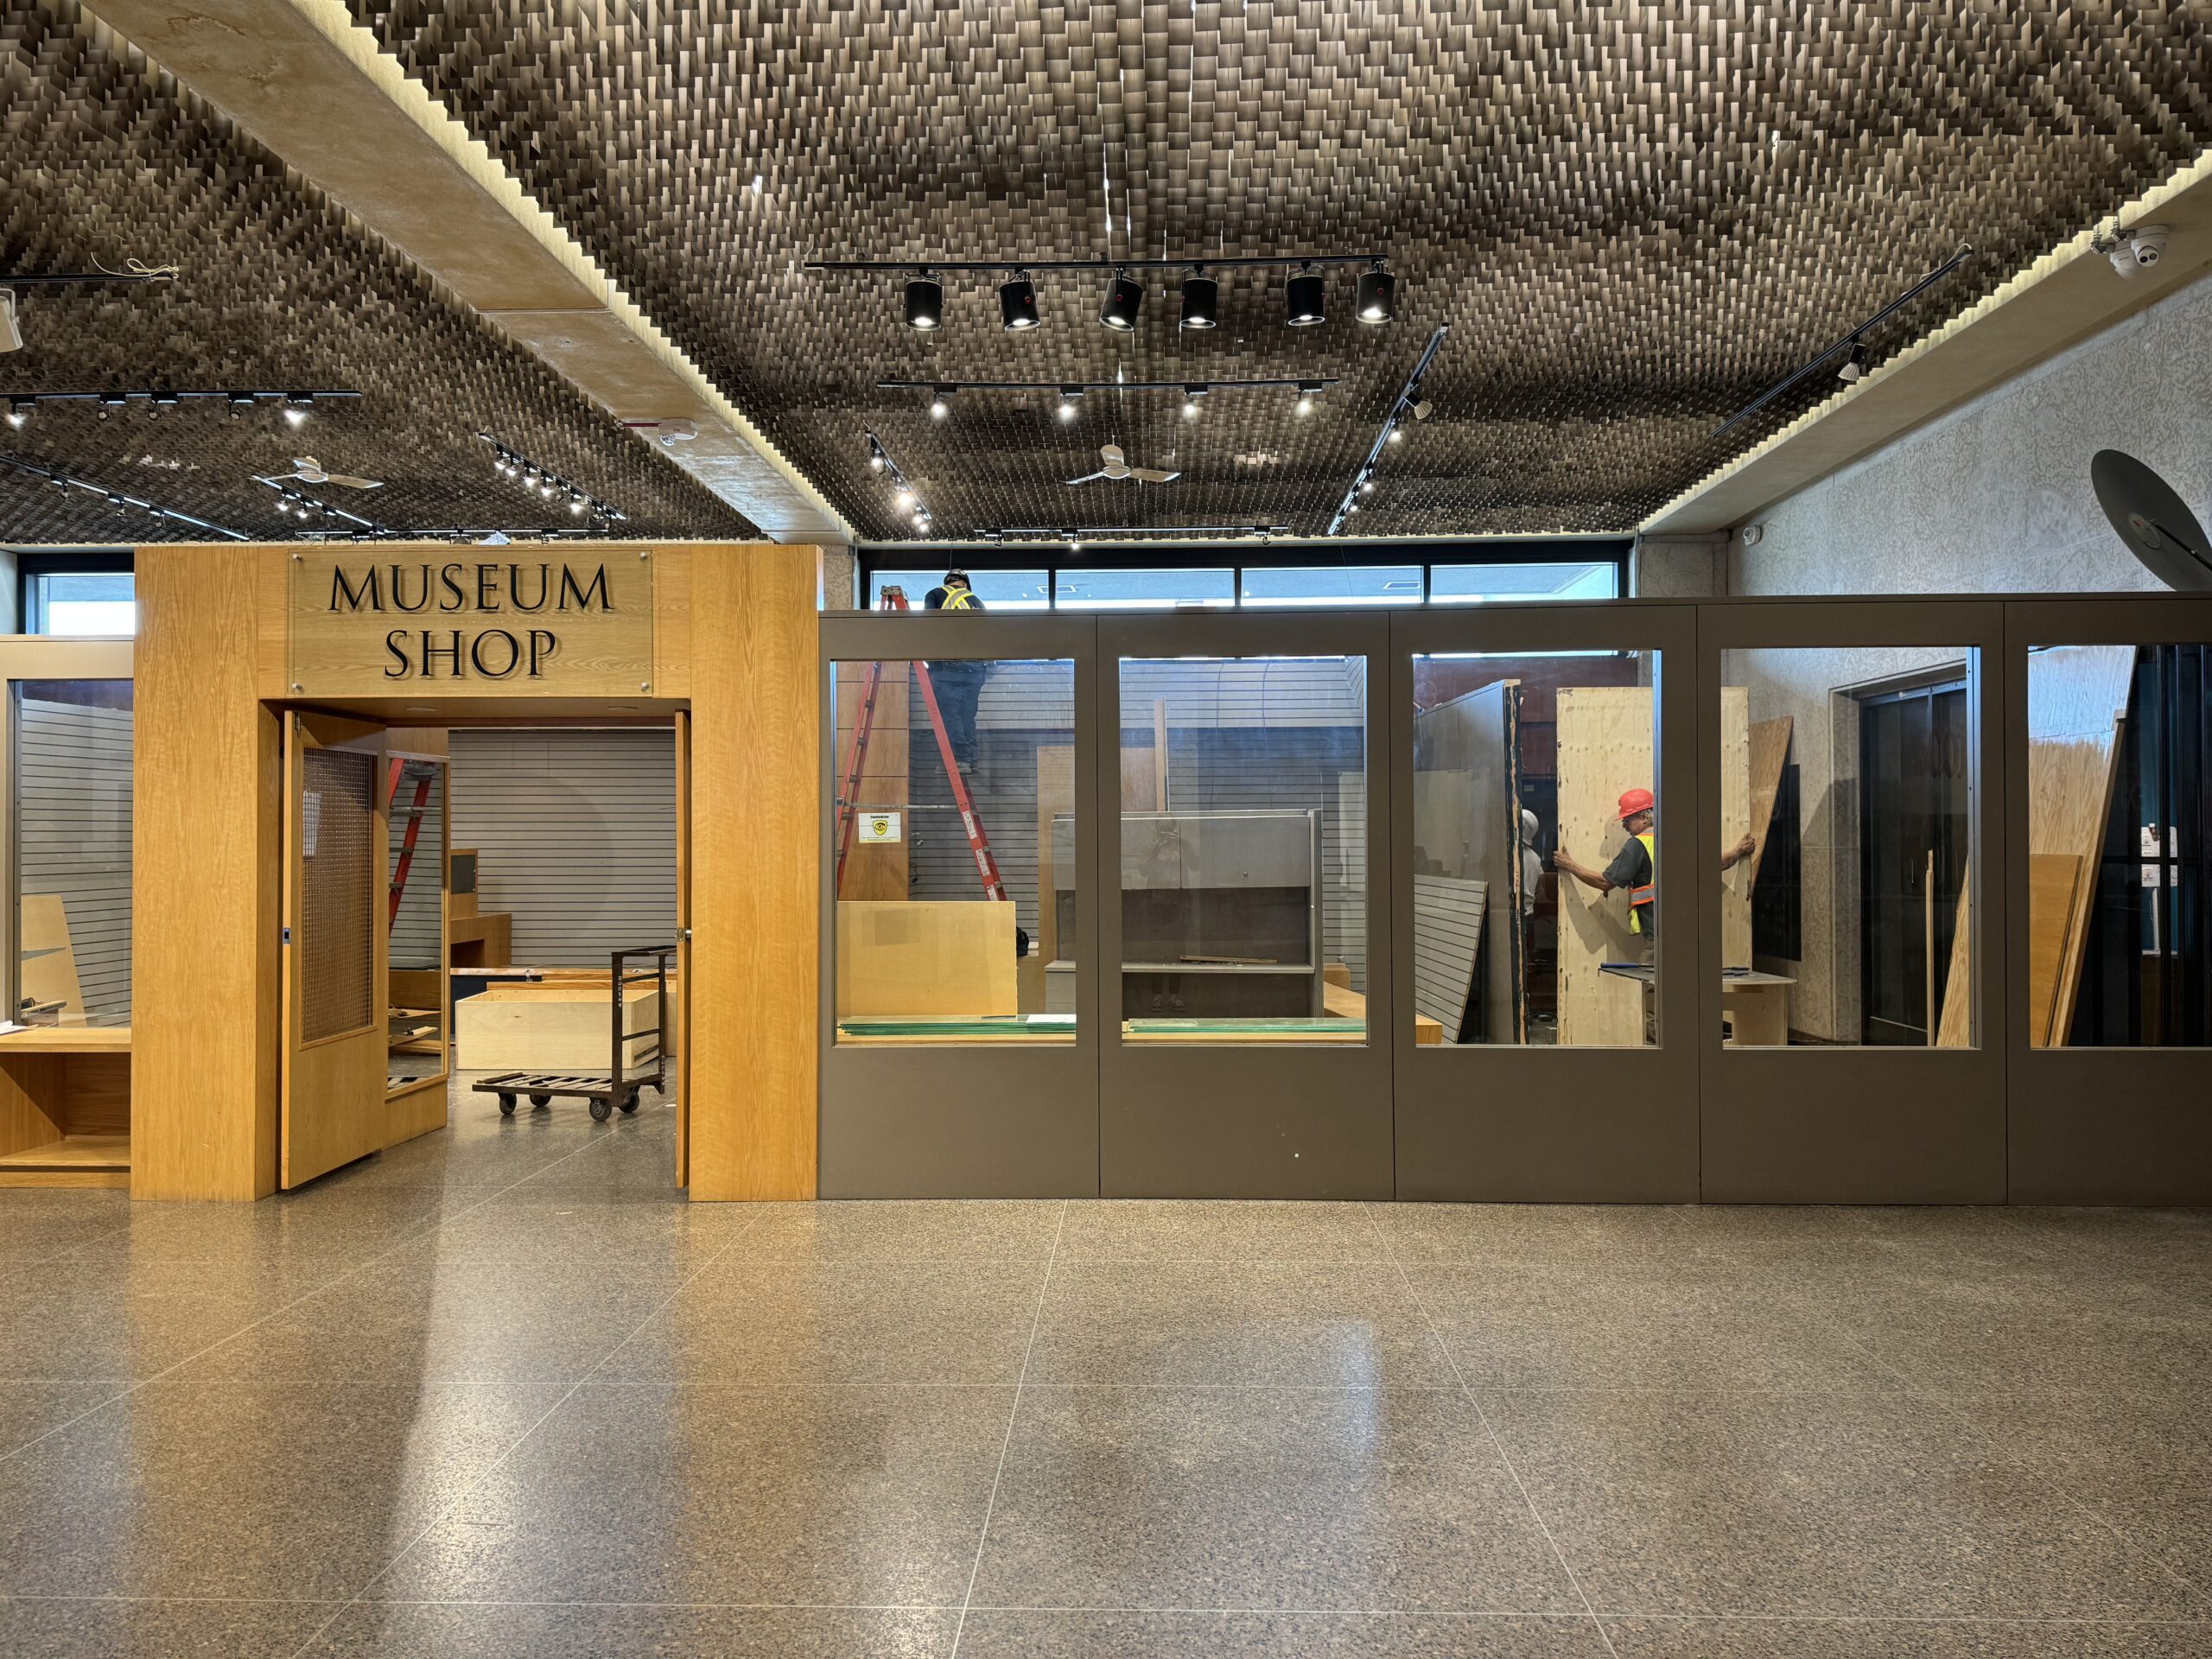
pixel 1634 217
pixel 103 159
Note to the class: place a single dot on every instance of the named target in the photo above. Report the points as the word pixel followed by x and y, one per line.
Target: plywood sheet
pixel 2077 697
pixel 1954 1025
pixel 926 958
pixel 1769 753
pixel 550 1029
pixel 1735 825
pixel 1604 747
pixel 1449 915
pixel 2054 882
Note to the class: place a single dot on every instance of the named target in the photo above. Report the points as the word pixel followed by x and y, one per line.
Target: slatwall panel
pixel 73 829
pixel 1243 733
pixel 577 833
pixel 415 935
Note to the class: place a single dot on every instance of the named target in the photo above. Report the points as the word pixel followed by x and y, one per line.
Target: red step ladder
pixel 986 866
pixel 424 773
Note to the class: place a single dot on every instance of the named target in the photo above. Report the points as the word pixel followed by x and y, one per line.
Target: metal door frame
pixel 1246 1120
pixel 963 1119
pixel 1852 1125
pixel 1507 1122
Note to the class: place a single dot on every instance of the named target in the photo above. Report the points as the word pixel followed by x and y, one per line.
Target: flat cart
pixel 620 1085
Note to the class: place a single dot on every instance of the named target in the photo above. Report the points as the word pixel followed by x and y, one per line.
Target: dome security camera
pixel 2136 250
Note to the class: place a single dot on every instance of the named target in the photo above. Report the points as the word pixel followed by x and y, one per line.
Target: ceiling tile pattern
pixel 106 160
pixel 1634 218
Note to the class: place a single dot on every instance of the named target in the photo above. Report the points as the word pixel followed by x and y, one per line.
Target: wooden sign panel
pixel 471 621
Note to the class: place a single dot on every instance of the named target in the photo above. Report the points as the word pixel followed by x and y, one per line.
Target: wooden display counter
pixel 64 1106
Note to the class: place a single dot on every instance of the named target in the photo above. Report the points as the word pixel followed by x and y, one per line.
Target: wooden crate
pixel 550 1029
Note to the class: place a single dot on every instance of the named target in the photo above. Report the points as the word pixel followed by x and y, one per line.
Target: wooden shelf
pixel 66 1040
pixel 74 1160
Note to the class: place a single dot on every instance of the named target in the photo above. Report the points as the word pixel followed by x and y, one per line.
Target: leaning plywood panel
pixel 1735 825
pixel 953 958
pixel 1769 753
pixel 2054 893
pixel 2077 695
pixel 1955 1027
pixel 1604 747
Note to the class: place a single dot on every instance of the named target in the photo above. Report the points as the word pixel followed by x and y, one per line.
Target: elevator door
pixel 1913 843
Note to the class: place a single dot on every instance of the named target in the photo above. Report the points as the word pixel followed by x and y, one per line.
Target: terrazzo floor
pixel 500 1392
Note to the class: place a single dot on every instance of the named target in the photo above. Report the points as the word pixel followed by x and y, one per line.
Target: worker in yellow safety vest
pixel 959 682
pixel 1635 867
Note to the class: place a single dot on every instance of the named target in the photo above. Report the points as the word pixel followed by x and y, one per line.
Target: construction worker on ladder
pixel 959 684
pixel 1635 867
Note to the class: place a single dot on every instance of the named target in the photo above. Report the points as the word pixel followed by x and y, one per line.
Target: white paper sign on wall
pixel 878 826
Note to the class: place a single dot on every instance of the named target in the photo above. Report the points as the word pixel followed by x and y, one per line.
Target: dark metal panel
pixel 1849 1125
pixel 2104 1125
pixel 1246 1120
pixel 1582 1125
pixel 962 1121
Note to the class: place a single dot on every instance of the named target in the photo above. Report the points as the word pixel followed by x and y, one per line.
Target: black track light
pixel 1124 296
pixel 1854 366
pixel 19 410
pixel 1201 300
pixel 1378 294
pixel 1017 303
pixel 1305 390
pixel 1306 299
pixel 941 403
pixel 925 301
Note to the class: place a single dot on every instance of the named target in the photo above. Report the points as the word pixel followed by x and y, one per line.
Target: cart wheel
pixel 507 1105
pixel 541 1101
pixel 602 1111
pixel 630 1102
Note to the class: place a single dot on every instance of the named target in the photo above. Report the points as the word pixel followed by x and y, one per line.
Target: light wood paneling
pixel 755 892
pixel 30 1096
pixel 680 994
pixel 413 1111
pixel 206 845
pixel 672 622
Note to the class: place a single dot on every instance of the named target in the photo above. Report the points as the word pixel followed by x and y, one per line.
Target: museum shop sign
pixel 571 626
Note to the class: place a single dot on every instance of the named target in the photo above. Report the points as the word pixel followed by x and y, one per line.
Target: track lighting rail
pixel 1198 261
pixel 1409 396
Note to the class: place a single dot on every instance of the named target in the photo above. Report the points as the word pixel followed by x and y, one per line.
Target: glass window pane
pixel 415 858
pixel 999 590
pixel 2119 872
pixel 1479 584
pixel 99 604
pixel 1535 907
pixel 72 852
pixel 1376 584
pixel 1144 590
pixel 1847 807
pixel 1243 877
pixel 940 936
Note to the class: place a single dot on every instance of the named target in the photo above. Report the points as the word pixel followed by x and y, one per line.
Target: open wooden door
pixel 681 1012
pixel 335 945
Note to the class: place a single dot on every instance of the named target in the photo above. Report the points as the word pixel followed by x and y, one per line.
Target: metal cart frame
pixel 617 1088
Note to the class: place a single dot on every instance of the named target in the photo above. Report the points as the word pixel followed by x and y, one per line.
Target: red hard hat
pixel 1634 801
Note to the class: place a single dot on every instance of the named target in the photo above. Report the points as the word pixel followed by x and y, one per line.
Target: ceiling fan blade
pixel 1087 478
pixel 352 483
pixel 1112 452
pixel 1147 475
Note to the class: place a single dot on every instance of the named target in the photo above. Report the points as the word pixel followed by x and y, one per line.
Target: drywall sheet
pixel 1467 824
pixel 1605 748
pixel 1448 943
pixel 954 957
pixel 1769 753
pixel 2077 695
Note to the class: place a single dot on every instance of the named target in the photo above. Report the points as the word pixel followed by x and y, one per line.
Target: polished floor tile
pixel 822 1496
pixel 95 1332
pixel 1183 1229
pixel 1312 1323
pixel 1686 1325
pixel 1290 1499
pixel 782 1322
pixel 979 1230
pixel 1497 1234
pixel 455 1631
pixel 256 1489
pixel 29 1410
pixel 1006 1635
pixel 1875 1638
pixel 1703 1502
pixel 77 1629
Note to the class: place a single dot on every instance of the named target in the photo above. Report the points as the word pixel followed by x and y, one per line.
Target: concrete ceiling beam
pixel 314 88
